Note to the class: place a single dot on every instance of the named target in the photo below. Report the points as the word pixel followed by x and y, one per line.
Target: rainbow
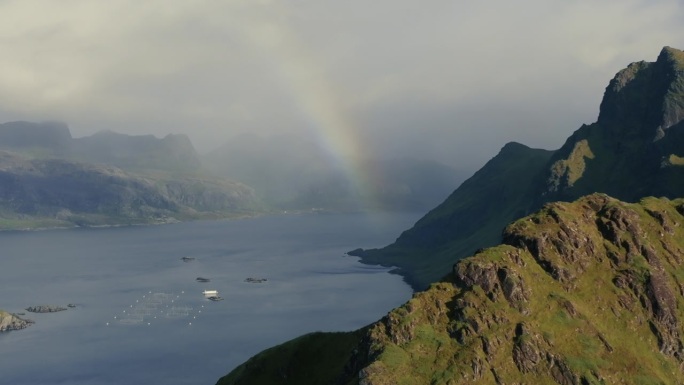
pixel 316 97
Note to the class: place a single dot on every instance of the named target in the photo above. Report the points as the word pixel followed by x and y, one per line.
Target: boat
pixel 210 293
pixel 188 259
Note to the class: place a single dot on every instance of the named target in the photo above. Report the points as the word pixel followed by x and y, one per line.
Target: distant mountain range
pixel 49 179
pixel 52 179
pixel 588 292
pixel 293 172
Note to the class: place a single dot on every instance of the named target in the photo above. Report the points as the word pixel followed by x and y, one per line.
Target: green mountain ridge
pixel 470 218
pixel 632 151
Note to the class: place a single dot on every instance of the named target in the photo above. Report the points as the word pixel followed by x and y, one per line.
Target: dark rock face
pixel 647 98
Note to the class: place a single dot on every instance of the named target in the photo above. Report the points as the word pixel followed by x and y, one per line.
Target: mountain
pixel 173 153
pixel 49 179
pixel 589 292
pixel 38 139
pixel 293 172
pixel 634 149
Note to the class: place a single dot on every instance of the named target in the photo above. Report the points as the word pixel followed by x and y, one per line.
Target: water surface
pixel 140 315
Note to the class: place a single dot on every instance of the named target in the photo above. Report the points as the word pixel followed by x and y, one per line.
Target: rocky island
pixel 45 309
pixel 9 321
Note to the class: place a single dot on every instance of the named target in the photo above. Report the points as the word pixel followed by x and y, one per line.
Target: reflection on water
pixel 141 316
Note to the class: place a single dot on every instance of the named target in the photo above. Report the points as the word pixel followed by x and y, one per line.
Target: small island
pixel 45 309
pixel 256 280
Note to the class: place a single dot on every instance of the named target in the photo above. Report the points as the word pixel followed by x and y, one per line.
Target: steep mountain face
pixel 292 172
pixel 635 149
pixel 589 292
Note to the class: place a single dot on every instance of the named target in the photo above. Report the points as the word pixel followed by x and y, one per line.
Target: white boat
pixel 210 293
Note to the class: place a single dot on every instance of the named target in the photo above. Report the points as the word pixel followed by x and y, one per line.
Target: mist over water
pixel 311 286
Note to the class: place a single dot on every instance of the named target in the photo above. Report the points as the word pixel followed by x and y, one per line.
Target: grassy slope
pixel 471 218
pixel 596 330
pixel 587 292
pixel 316 358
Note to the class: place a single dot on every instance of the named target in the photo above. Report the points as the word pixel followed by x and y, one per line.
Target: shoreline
pixel 207 217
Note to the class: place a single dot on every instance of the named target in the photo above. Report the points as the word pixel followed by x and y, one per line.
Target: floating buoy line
pixel 154 307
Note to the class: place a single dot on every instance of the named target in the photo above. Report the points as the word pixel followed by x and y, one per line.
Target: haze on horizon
pixel 448 81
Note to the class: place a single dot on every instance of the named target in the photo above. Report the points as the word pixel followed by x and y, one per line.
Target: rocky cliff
pixel 635 149
pixel 588 292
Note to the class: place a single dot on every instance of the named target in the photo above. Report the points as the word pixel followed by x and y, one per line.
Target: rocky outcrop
pixel 10 322
pixel 551 305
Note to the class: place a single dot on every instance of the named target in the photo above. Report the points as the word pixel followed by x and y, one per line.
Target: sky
pixel 451 81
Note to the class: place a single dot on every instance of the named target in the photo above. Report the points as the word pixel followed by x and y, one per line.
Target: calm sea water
pixel 141 317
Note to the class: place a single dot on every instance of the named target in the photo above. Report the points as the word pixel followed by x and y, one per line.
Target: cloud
pixel 470 74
